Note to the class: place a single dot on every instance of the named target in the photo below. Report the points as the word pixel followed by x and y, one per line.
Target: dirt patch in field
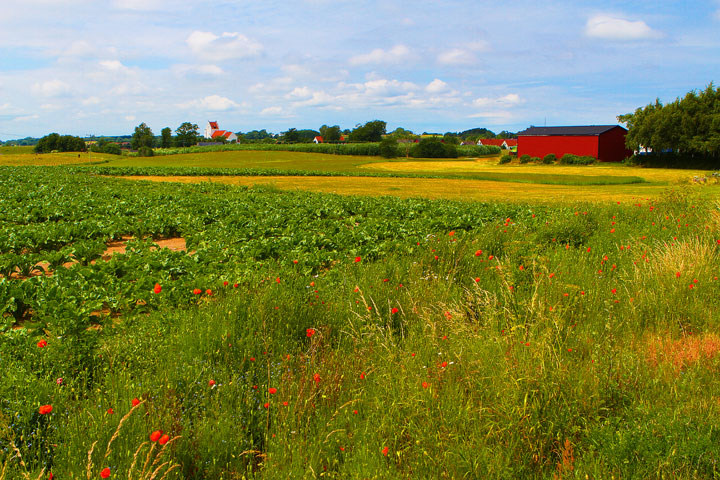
pixel 113 247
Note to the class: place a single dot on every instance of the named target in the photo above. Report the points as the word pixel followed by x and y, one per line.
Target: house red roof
pixel 511 142
pixel 221 133
pixel 214 125
pixel 492 141
pixel 318 139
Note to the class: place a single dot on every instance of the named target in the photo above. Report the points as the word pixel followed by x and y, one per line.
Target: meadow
pixel 301 334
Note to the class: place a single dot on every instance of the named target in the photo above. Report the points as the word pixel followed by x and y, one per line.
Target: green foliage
pixel 60 143
pixel 549 159
pixel 504 159
pixel 145 151
pixel 389 148
pixel 166 139
pixel 688 125
pixel 570 159
pixel 112 148
pixel 525 158
pixel 330 134
pixel 372 131
pixel 535 159
pixel 142 137
pixel 186 135
pixel 433 148
pixel 477 150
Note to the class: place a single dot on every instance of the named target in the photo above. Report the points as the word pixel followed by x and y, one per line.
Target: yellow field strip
pixel 433 188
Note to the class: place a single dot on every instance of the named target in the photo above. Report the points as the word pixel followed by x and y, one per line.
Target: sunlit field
pixel 262 327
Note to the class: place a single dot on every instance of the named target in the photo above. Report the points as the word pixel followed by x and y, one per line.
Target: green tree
pixel 291 136
pixel 451 138
pixel 60 143
pixel 433 147
pixel 143 137
pixel 372 131
pixel 330 134
pixel 186 135
pixel 389 147
pixel 166 138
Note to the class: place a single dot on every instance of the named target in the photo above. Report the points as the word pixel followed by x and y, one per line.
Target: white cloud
pixel 613 28
pixel 26 118
pixel 113 66
pixel 91 101
pixel 228 46
pixel 457 56
pixel 129 118
pixel 397 54
pixel 211 103
pixel 299 92
pixel 205 70
pixel 436 86
pixel 504 101
pixel 52 88
pixel 273 111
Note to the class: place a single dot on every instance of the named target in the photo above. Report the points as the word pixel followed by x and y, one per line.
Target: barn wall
pixel 612 146
pixel 539 146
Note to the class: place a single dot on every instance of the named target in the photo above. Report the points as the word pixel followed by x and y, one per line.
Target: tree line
pixel 688 127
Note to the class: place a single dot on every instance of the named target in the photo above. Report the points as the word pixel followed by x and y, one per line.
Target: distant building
pixel 604 142
pixel 505 143
pixel 212 130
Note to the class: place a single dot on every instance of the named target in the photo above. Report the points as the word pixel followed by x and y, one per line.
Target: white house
pixel 213 131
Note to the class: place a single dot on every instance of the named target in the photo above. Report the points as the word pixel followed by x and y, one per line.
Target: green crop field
pixel 542 330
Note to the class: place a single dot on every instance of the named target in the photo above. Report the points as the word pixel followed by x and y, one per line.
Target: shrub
pixel 535 159
pixel 504 159
pixel 433 148
pixel 145 151
pixel 477 150
pixel 549 159
pixel 525 158
pixel 113 149
pixel 389 148
pixel 570 159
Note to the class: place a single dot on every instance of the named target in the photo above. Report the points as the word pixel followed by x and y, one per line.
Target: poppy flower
pixel 443 365
pixel 135 402
pixel 157 288
pixel 277 280
pixel 295 261
pixel 394 310
pixel 272 390
pixel 164 439
pixel 357 259
pixel 208 291
pixel 285 403
pixel 316 378
pixel 155 436
pixel 362 376
pixel 45 409
pixel 425 384
pixel 267 405
pixel 478 253
pixel 42 343
pixel 105 473
pixel 310 332
pixel 211 383
pixel 197 291
pixel 385 451
pixel 452 232
pixel 355 412
pixel 110 411
pixel 236 285
pixel 225 283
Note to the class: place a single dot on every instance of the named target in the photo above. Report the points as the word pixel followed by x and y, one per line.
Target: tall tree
pixel 166 138
pixel 186 134
pixel 143 137
pixel 291 136
pixel 370 132
pixel 330 134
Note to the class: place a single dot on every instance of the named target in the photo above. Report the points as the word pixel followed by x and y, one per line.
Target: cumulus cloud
pixel 52 88
pixel 457 56
pixel 203 70
pixel 211 103
pixel 504 101
pixel 612 28
pixel 397 54
pixel 274 112
pixel 113 66
pixel 227 46
pixel 436 86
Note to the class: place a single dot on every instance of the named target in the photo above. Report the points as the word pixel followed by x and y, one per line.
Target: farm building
pixel 213 131
pixel 505 143
pixel 604 142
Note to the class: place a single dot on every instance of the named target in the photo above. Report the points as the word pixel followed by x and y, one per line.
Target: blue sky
pixel 103 66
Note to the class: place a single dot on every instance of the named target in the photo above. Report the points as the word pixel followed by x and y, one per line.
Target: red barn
pixel 604 142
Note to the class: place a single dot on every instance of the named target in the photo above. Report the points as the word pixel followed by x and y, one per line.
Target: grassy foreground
pixel 527 342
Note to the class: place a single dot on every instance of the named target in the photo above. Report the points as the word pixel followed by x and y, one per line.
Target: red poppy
pixel 394 310
pixel 225 283
pixel 235 285
pixel 208 291
pixel 272 390
pixel 452 232
pixel 135 402
pixel 42 343
pixel 357 259
pixel 110 411
pixel 385 451
pixel 211 383
pixel 310 332
pixel 316 378
pixel 105 473
pixel 443 365
pixel 197 291
pixel 362 376
pixel 277 279
pixel 478 253
pixel 613 291
pixel 425 384
pixel 267 405
pixel 164 439
pixel 295 261
pixel 355 412
pixel 155 436
pixel 677 274
pixel 285 403
pixel 45 409
pixel 157 288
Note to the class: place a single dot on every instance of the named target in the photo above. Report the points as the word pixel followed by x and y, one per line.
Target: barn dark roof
pixel 565 131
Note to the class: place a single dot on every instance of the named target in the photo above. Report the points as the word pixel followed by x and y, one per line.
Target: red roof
pixel 492 141
pixel 511 142
pixel 221 133
pixel 318 139
pixel 214 125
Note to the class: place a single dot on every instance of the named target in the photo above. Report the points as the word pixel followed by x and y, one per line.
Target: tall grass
pixel 563 343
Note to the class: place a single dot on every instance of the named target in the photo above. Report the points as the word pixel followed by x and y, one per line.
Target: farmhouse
pixel 213 131
pixel 604 142
pixel 505 143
